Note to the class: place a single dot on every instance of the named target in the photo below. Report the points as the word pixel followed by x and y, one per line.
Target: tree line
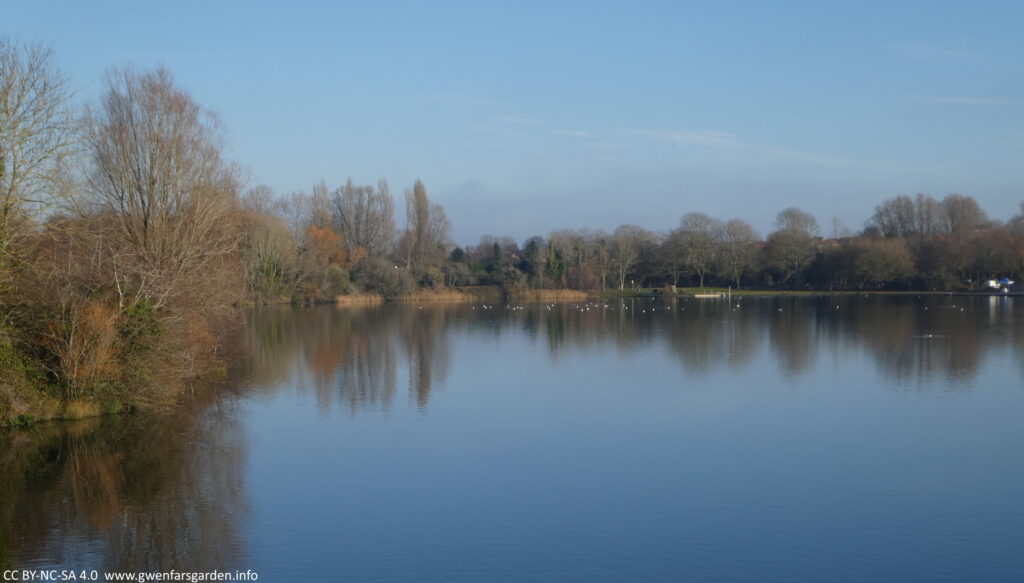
pixel 919 243
pixel 127 241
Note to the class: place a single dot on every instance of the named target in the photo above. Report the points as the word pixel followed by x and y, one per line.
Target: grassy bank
pixel 454 294
pixel 481 293
pixel 24 399
pixel 40 407
pixel 494 294
pixel 551 295
pixel 359 299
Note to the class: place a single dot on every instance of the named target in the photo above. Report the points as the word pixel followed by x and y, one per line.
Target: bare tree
pixel 320 206
pixel 880 262
pixel 484 250
pixel 626 247
pixel 928 215
pixel 157 168
pixel 792 247
pixel 624 255
pixel 894 217
pixel 697 242
pixel 736 249
pixel 600 253
pixel 840 230
pixel 38 133
pixel 365 217
pixel 417 223
pixel 580 257
pixel 795 220
pixel 922 215
pixel 1016 224
pixel 259 199
pixel 962 214
pixel 269 252
pixel 573 246
pixel 672 255
pixel 426 238
pixel 295 209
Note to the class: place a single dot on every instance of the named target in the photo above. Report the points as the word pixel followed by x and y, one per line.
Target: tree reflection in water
pixel 126 493
pixel 353 356
pixel 161 492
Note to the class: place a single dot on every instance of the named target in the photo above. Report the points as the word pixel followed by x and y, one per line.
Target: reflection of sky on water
pixel 769 438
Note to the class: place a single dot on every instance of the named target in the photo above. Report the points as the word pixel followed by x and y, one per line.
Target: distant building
pixel 1003 285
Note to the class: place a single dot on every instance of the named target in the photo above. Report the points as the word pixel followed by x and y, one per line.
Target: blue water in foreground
pixel 758 439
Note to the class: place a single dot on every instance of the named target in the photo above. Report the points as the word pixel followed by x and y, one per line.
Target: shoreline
pixel 494 294
pixel 37 406
pixel 696 292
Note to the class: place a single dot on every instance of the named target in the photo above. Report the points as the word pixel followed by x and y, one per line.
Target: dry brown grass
pixel 552 295
pixel 360 298
pixel 84 343
pixel 483 293
pixel 81 409
pixel 438 295
pixel 37 406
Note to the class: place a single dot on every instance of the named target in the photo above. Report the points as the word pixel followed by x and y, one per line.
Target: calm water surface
pixel 762 439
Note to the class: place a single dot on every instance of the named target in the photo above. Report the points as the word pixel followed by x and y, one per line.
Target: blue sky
pixel 527 117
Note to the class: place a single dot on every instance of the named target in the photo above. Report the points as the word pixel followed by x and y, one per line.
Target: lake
pixel 834 438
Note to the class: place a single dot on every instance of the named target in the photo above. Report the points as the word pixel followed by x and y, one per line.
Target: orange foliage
pixel 325 245
pixel 357 255
pixel 200 344
pixel 85 343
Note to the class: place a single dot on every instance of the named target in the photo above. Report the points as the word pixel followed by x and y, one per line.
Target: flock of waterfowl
pixel 597 306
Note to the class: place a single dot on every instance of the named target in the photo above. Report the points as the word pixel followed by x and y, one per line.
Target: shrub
pixel 430 277
pixel 84 342
pixel 336 282
pixel 378 275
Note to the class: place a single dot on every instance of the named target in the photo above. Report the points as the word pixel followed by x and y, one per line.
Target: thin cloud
pixel 519 121
pixel 727 140
pixel 456 99
pixel 575 134
pixel 931 52
pixel 831 161
pixel 811 158
pixel 546 155
pixel 965 100
pixel 498 131
pixel 607 145
pixel 707 138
